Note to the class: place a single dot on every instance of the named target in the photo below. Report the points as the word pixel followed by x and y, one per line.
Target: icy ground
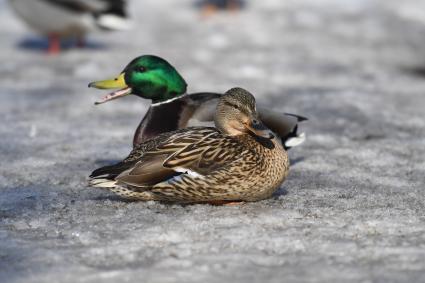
pixel 352 209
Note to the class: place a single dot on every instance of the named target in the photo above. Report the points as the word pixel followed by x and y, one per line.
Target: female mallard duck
pixel 71 18
pixel 153 78
pixel 238 160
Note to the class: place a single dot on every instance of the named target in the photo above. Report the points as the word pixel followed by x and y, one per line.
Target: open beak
pixel 256 127
pixel 115 83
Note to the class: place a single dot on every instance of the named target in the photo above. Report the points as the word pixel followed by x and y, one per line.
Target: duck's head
pixel 236 114
pixel 147 76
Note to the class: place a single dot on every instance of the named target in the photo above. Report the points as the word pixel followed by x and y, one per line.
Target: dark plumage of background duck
pixel 59 19
pixel 154 78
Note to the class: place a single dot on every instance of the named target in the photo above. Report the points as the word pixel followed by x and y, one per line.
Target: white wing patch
pixel 188 172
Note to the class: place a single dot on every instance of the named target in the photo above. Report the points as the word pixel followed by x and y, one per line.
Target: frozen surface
pixel 352 209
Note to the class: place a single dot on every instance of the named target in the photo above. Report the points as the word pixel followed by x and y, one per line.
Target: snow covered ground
pixel 352 209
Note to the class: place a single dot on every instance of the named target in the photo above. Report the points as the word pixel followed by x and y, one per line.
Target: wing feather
pixel 205 155
pixel 153 165
pixel 147 172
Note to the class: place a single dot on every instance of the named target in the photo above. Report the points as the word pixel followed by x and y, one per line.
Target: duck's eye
pixel 141 69
pixel 232 105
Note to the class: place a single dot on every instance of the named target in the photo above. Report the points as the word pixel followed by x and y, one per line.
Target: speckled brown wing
pixel 147 172
pixel 165 143
pixel 206 155
pixel 192 151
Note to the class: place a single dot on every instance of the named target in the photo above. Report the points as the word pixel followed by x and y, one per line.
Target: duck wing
pixel 111 171
pixel 204 156
pixel 200 109
pixel 196 152
pixel 147 172
pixel 183 112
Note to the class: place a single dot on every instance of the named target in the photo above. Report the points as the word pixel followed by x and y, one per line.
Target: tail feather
pixel 294 138
pixel 121 190
pixel 299 118
pixel 294 141
pixel 104 178
pixel 111 171
pixel 102 183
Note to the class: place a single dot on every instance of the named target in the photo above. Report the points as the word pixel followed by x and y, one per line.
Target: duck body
pixel 198 164
pixel 238 160
pixel 71 18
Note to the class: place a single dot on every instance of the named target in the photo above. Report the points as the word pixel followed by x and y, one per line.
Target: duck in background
pixel 239 159
pixel 172 108
pixel 210 7
pixel 58 19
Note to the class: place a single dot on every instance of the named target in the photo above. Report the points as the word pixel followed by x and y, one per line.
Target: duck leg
pixel 54 44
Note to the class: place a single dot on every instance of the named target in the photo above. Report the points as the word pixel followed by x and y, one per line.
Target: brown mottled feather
pixel 146 173
pixel 228 167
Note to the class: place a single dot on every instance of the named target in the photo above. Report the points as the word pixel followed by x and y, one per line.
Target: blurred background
pixel 296 52
pixel 356 68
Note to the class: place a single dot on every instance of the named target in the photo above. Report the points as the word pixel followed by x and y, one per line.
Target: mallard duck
pixel 238 160
pixel 71 18
pixel 154 78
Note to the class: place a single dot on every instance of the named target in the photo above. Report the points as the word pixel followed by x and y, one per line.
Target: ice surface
pixel 351 210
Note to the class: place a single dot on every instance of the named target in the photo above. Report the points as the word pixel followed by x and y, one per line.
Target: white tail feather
pixel 295 140
pixel 102 183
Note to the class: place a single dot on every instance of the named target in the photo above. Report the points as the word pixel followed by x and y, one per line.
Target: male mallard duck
pixel 71 18
pixel 238 160
pixel 153 78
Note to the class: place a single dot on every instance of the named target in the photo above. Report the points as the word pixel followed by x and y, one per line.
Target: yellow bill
pixel 115 83
pixel 118 82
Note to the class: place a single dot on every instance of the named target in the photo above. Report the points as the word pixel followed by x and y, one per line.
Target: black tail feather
pixel 299 118
pixel 111 171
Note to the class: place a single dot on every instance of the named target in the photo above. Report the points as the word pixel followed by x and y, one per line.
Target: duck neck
pixel 160 118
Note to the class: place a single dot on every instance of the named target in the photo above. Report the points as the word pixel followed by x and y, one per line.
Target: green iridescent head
pixel 147 76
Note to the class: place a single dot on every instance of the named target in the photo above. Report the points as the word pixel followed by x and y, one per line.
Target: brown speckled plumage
pixel 202 164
